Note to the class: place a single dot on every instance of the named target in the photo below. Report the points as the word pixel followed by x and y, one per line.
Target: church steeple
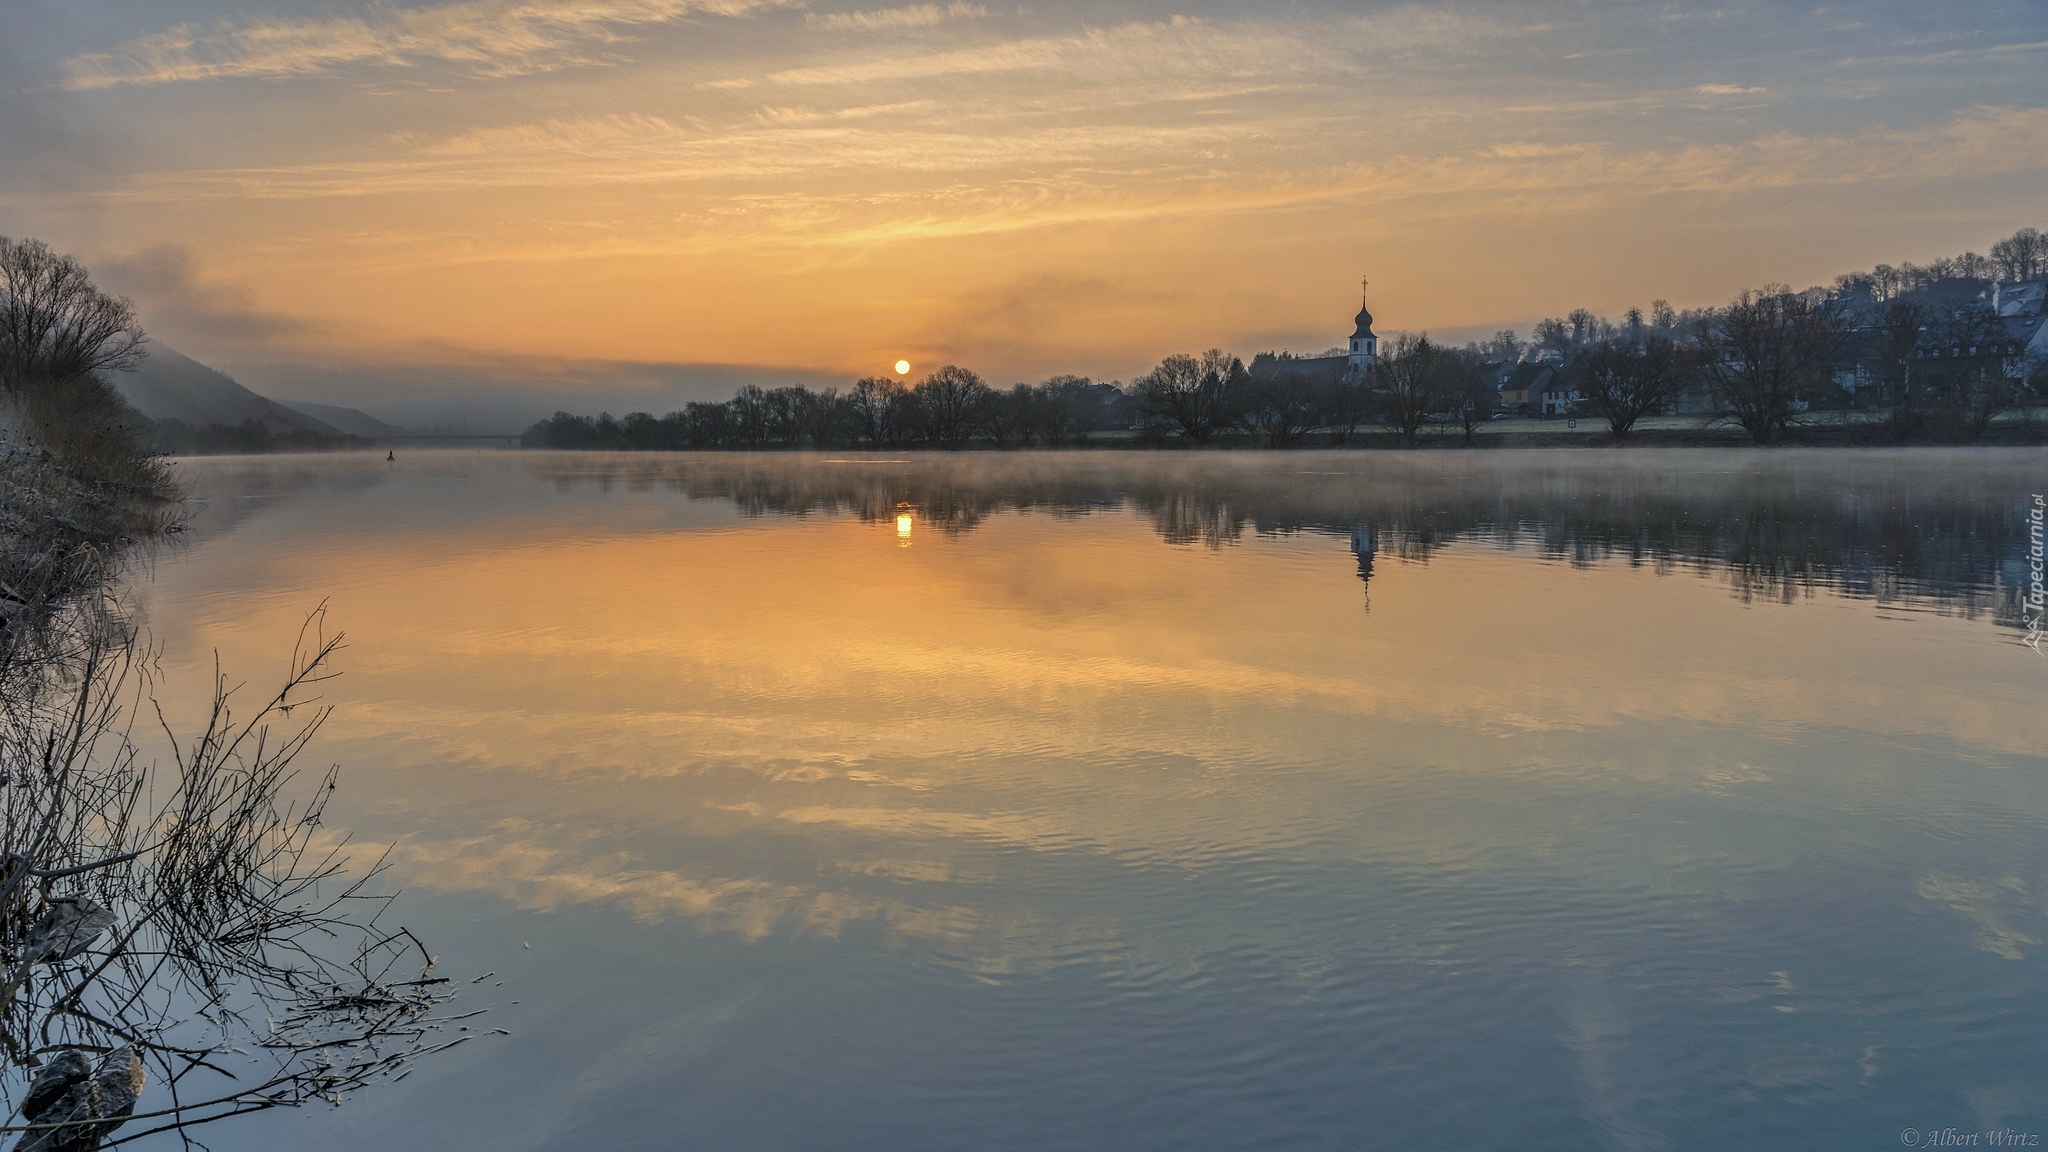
pixel 1365 347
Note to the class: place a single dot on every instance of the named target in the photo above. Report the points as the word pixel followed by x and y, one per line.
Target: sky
pixel 450 210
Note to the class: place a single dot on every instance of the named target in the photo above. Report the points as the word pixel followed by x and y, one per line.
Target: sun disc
pixel 903 367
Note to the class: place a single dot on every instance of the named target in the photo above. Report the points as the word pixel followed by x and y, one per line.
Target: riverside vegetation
pixel 1950 352
pixel 181 938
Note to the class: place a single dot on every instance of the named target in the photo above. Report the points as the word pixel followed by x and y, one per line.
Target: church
pixel 1348 367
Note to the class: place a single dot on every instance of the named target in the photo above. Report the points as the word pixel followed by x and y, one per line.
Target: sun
pixel 903 367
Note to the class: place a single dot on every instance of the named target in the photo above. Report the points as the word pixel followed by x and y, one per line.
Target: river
pixel 1502 800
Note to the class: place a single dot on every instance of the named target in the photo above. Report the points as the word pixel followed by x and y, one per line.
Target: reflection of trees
pixel 1943 530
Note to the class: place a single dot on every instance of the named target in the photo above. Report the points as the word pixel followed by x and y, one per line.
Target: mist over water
pixel 1531 800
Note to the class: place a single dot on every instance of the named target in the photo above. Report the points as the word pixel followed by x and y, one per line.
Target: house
pixel 1539 388
pixel 1328 370
pixel 2029 299
pixel 1556 396
pixel 2015 347
pixel 1523 383
pixel 2026 337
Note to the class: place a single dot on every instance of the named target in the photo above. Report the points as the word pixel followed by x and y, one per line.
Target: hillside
pixel 170 386
pixel 353 421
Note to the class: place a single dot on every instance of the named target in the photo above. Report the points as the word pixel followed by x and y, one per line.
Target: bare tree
pixel 947 401
pixel 869 404
pixel 1963 372
pixel 1472 387
pixel 782 413
pixel 1283 408
pixel 1503 347
pixel 2021 256
pixel 1631 375
pixel 1060 414
pixel 55 326
pixel 1195 398
pixel 1347 405
pixel 196 929
pixel 822 416
pixel 1767 354
pixel 1009 417
pixel 748 421
pixel 1412 381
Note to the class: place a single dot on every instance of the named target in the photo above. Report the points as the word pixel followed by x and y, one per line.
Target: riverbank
pixel 1822 430
pixel 66 516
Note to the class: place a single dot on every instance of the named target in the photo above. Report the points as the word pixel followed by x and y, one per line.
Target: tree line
pixel 949 408
pixel 1197 398
pixel 1920 345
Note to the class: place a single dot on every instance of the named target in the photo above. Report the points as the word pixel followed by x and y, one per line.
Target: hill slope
pixel 353 421
pixel 169 386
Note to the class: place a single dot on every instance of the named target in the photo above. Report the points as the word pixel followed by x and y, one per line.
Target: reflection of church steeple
pixel 1365 544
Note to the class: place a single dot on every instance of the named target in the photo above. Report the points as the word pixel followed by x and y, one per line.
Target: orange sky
pixel 667 193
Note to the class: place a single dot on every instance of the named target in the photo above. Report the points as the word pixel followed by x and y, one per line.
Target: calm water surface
pixel 1533 801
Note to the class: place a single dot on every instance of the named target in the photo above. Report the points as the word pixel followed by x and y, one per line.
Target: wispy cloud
pixel 493 37
pixel 1182 47
pixel 890 19
pixel 1098 171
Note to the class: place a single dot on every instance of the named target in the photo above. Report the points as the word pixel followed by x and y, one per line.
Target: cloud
pixel 493 37
pixel 1027 319
pixel 891 19
pixel 838 179
pixel 1182 48
pixel 176 302
pixel 770 144
pixel 436 384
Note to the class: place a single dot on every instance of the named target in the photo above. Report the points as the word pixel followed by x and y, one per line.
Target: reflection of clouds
pixel 1989 905
pixel 873 664
pixel 922 871
pixel 514 863
pixel 1027 831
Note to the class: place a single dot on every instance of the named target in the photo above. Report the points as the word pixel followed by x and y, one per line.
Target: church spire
pixel 1365 347
pixel 1364 314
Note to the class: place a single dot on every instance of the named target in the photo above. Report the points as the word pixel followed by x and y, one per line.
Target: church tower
pixel 1365 347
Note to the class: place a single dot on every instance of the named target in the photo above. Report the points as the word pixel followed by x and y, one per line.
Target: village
pixel 1955 351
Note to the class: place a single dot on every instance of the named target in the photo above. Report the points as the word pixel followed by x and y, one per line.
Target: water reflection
pixel 1944 529
pixel 1103 816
